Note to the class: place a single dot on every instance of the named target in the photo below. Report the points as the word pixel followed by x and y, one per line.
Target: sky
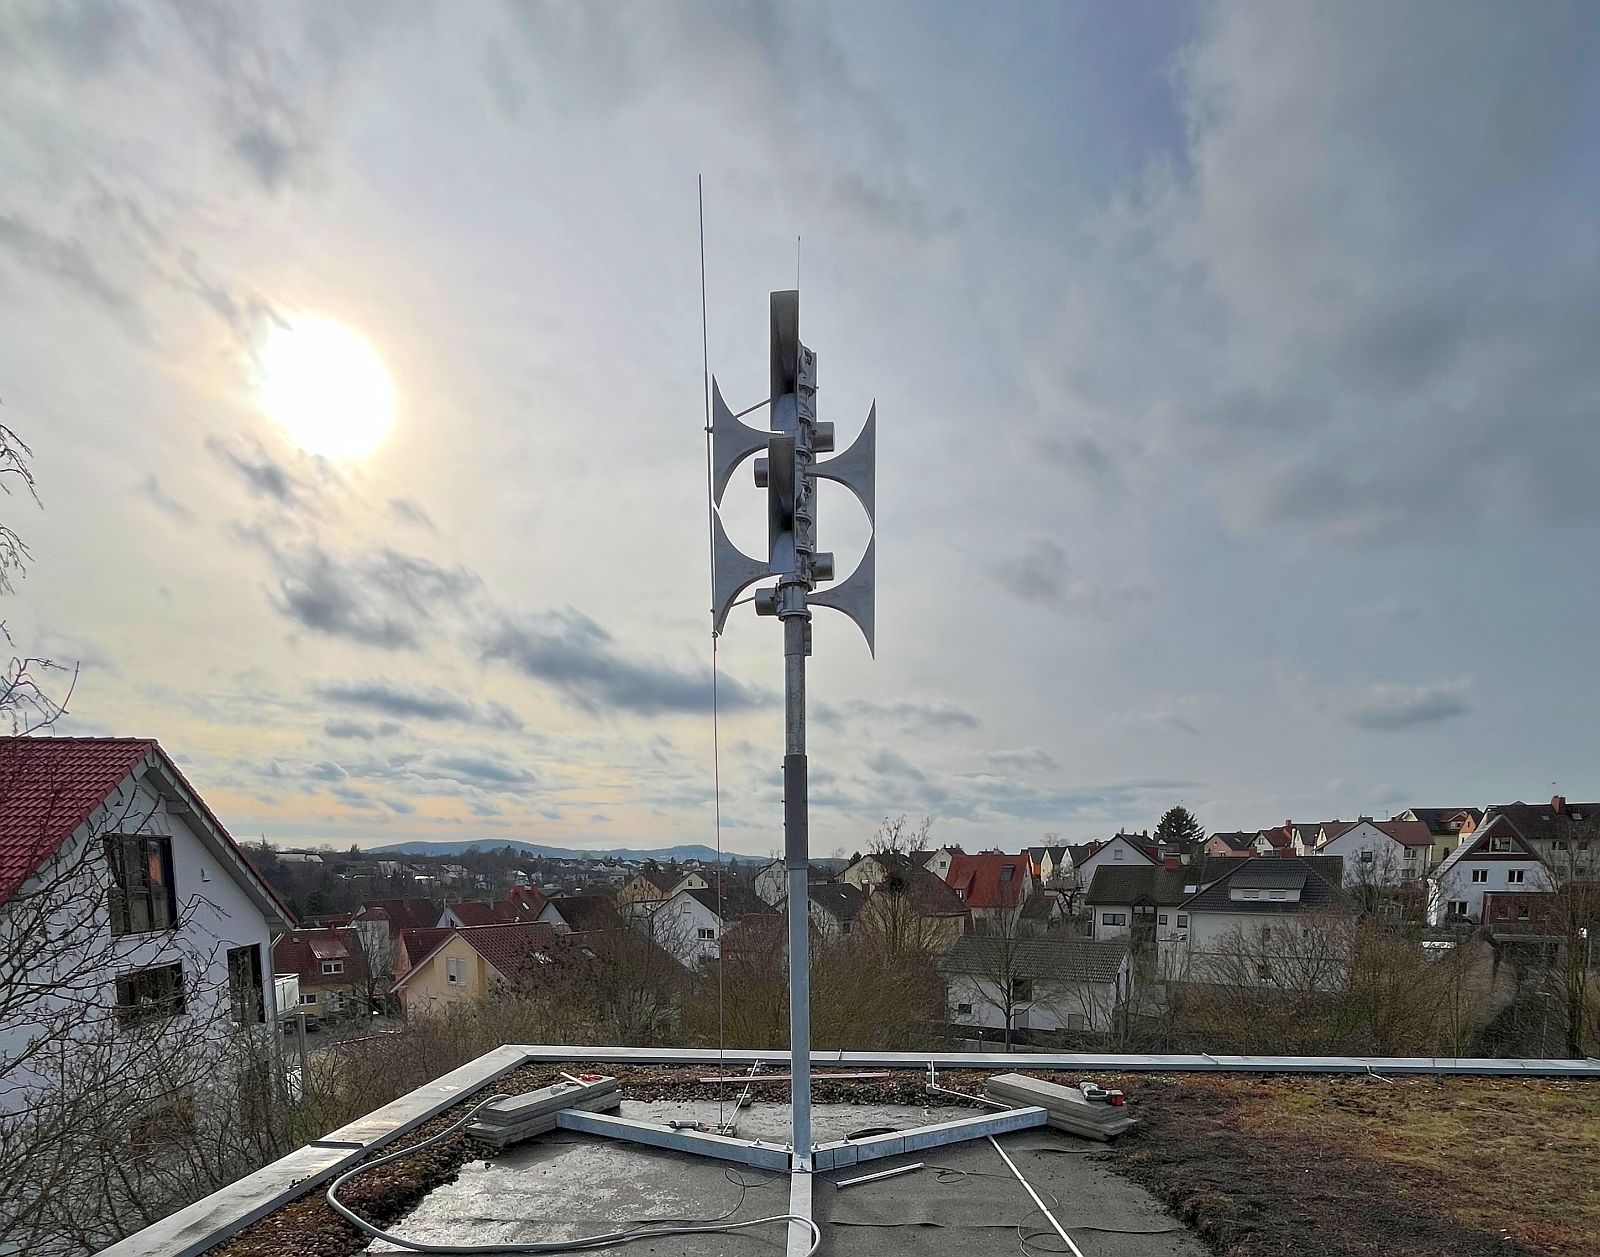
pixel 1235 369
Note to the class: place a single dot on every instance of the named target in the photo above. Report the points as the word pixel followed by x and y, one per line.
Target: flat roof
pixel 963 1201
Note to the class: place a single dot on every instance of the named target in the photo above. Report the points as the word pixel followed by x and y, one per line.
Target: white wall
pixel 1118 853
pixel 676 927
pixel 217 915
pixel 1372 858
pixel 1055 1005
pixel 1455 883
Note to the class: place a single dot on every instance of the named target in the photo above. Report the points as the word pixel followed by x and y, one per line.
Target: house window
pixel 963 1010
pixel 1183 921
pixel 1522 912
pixel 154 994
pixel 308 997
pixel 1366 857
pixel 1480 875
pixel 1021 988
pixel 1514 876
pixel 1113 918
pixel 1077 1021
pixel 244 986
pixel 1279 894
pixel 706 933
pixel 1116 853
pixel 455 971
pixel 142 896
pixel 1501 845
pixel 1007 872
pixel 1162 919
pixel 1263 971
pixel 332 966
pixel 1252 894
pixel 1457 910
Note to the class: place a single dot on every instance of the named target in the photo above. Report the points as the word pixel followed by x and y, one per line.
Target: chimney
pixel 1558 803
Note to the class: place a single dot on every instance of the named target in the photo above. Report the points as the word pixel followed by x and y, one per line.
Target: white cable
pixel 644 1231
pixel 1043 1208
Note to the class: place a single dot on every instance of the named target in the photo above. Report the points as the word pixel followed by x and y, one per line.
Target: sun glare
pixel 326 387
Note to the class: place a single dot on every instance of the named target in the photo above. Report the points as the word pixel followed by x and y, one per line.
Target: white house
pixel 1043 985
pixel 690 924
pixel 1496 857
pixel 834 908
pixel 772 881
pixel 1125 850
pixel 1140 902
pixel 129 906
pixel 1263 902
pixel 1380 853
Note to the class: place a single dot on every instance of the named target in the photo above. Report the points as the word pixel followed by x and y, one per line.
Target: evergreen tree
pixel 1178 827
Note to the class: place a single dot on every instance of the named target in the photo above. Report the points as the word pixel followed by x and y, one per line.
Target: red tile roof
pixel 508 946
pixel 303 951
pixel 522 902
pixel 1407 833
pixel 472 912
pixel 415 946
pixel 402 914
pixel 980 879
pixel 51 786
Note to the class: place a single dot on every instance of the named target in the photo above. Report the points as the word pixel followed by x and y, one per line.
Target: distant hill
pixel 688 851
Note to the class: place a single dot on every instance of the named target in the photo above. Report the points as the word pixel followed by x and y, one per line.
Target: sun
pixel 325 386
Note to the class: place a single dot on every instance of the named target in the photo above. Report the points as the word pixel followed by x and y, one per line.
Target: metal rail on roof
pixel 1089 1062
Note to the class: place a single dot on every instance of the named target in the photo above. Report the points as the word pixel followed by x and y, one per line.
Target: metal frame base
pixel 781 1159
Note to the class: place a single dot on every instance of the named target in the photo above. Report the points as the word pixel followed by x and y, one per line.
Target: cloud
pixel 1040 574
pixel 71 261
pixel 1388 708
pixel 363 730
pixel 378 598
pixel 408 511
pixel 1027 758
pixel 570 652
pixel 426 702
pixel 909 714
pixel 888 762
pixel 263 475
pixel 1171 713
pixel 150 489
pixel 1381 706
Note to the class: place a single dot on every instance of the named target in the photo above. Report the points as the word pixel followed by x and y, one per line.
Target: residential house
pixel 138 907
pixel 876 867
pixel 574 914
pixel 1264 904
pixel 470 912
pixel 834 908
pixel 467 963
pixel 771 882
pixel 1236 844
pixel 651 884
pixel 521 903
pixel 1566 836
pixel 331 967
pixel 414 945
pixel 1497 857
pixel 1042 986
pixel 1448 825
pixel 992 885
pixel 1140 902
pixel 1379 853
pixel 1522 912
pixel 690 925
pixel 1123 850
pixel 1040 912
pixel 1052 865
pixel 923 915
pixel 1290 838
pixel 938 861
pixel 402 914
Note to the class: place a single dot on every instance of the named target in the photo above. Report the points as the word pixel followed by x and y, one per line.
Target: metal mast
pixel 789 473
